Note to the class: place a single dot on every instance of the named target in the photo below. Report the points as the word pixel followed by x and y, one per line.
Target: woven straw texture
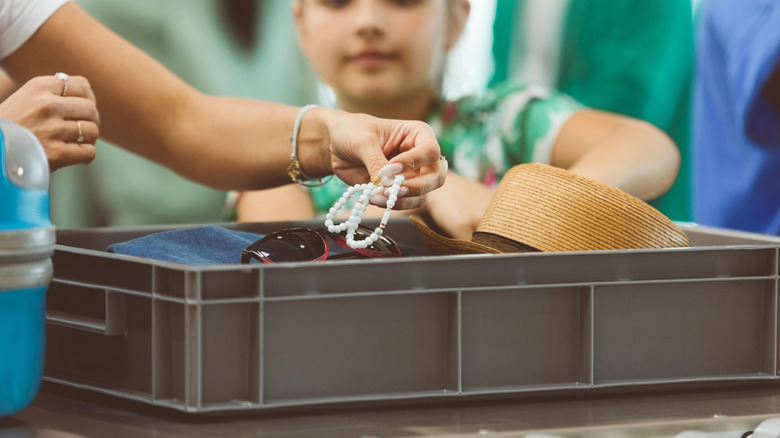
pixel 551 209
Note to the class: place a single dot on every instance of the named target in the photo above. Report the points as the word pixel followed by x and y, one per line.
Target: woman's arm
pixel 7 85
pixel 227 143
pixel 626 153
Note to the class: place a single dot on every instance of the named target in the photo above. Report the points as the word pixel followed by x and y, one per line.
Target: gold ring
pixel 80 138
pixel 64 77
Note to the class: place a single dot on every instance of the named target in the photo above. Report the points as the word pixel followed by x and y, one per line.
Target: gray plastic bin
pixel 262 337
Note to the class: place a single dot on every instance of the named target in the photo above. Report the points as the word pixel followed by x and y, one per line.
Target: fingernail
pixel 391 170
pixel 379 200
pixel 403 191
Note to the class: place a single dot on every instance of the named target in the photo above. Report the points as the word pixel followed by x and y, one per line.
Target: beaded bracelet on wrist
pixel 294 170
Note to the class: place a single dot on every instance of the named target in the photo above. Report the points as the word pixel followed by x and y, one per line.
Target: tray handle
pixel 112 325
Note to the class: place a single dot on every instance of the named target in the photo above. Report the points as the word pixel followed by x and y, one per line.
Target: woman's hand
pixel 360 146
pixel 66 125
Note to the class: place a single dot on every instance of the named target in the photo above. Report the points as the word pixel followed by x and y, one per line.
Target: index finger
pixel 66 85
pixel 412 144
pixel 428 179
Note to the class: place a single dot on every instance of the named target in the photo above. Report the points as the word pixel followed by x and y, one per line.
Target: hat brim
pixel 538 207
pixel 441 245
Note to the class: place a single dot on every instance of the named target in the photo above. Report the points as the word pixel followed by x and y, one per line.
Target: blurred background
pixel 247 48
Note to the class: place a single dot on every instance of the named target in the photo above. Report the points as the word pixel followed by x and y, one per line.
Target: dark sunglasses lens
pixel 294 245
pixel 383 247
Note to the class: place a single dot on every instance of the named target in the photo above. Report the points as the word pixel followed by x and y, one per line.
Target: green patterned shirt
pixel 485 136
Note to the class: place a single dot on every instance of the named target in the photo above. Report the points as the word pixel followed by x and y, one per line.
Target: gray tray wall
pixel 201 339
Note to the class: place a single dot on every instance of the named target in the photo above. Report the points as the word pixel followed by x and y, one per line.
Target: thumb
pixel 374 163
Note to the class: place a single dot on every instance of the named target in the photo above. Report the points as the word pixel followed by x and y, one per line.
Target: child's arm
pixel 626 153
pixel 458 205
pixel 286 203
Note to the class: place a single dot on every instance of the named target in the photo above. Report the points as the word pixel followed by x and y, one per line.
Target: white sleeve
pixel 19 19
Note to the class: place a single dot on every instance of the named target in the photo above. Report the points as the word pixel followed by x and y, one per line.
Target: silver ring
pixel 64 77
pixel 80 138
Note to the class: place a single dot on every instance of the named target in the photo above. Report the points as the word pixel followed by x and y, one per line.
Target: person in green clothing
pixel 386 58
pixel 239 48
pixel 632 57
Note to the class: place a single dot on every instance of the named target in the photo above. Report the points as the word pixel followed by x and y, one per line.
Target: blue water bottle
pixel 26 245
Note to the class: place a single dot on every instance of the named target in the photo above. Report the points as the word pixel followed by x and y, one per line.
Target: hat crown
pixel 552 209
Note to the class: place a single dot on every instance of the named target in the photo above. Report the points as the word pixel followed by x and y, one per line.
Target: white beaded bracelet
pixel 366 191
pixel 294 170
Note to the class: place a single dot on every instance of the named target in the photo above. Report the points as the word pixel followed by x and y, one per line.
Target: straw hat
pixel 544 208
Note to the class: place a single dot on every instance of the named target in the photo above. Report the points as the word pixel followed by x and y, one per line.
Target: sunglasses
pixel 307 245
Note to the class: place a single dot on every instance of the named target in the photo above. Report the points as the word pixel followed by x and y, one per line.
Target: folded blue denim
pixel 206 245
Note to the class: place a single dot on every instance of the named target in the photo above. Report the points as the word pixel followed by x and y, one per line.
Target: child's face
pixel 374 51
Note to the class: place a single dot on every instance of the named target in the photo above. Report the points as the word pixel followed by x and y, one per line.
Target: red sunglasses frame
pixel 253 251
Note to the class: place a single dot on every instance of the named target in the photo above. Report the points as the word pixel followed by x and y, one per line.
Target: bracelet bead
pixel 366 191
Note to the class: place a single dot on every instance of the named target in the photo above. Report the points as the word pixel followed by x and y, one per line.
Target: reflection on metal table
pixel 61 412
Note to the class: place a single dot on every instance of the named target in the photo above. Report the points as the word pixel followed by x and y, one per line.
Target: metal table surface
pixel 60 412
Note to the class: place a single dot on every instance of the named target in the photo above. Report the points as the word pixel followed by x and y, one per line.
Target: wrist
pixel 310 141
